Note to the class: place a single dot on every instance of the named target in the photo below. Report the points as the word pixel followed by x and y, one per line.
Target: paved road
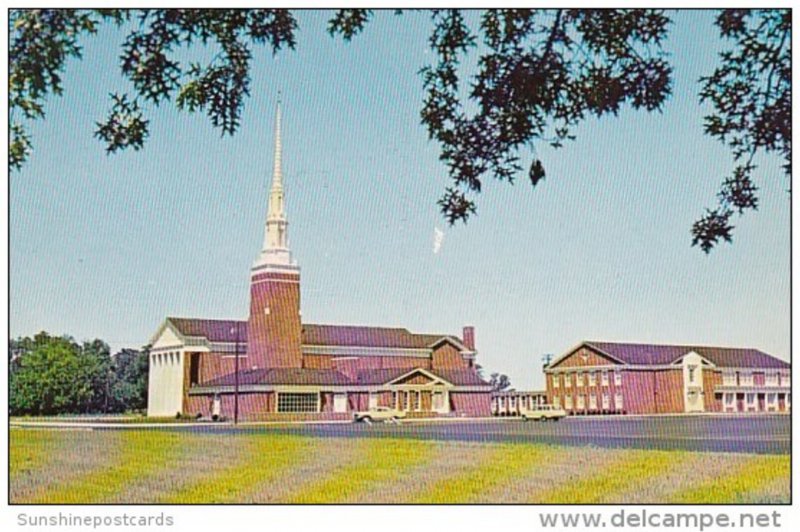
pixel 764 434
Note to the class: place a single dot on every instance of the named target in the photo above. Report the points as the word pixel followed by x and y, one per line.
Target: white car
pixel 543 413
pixel 379 413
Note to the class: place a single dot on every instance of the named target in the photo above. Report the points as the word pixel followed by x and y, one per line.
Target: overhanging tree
pixel 540 73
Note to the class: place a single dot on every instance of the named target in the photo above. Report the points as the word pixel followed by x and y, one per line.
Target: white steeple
pixel 275 251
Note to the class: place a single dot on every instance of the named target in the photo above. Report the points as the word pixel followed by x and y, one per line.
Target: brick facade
pixel 274 330
pixel 651 379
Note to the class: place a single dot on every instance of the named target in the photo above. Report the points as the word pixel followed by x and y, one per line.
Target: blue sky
pixel 107 246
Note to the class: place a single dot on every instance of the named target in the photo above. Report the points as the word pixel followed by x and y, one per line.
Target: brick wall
pixel 274 337
pixel 638 392
pixel 712 379
pixel 669 391
pixel 471 404
pixel 250 404
pixel 447 356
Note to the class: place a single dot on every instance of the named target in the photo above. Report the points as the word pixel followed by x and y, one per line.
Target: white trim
pixel 461 347
pixel 425 372
pixel 290 281
pixel 301 388
pixel 679 360
pixel 164 324
pixel 574 349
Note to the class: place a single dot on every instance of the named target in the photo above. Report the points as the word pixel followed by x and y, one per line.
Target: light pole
pixel 235 331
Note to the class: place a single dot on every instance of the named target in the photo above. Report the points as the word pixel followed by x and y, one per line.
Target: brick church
pixel 288 369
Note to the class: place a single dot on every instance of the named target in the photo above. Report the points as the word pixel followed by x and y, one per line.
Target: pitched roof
pixel 652 354
pixel 461 377
pixel 213 330
pixel 361 336
pixel 314 334
pixel 330 377
pixel 298 376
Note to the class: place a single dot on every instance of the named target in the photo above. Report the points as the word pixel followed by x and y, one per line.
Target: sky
pixel 108 246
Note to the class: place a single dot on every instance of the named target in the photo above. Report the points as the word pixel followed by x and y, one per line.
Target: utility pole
pixel 236 377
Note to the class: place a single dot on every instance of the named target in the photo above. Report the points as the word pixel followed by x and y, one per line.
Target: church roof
pixel 658 355
pixel 331 377
pixel 295 376
pixel 212 330
pixel 225 331
pixel 361 336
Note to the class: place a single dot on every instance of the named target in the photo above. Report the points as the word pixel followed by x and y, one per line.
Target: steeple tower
pixel 275 250
pixel 274 330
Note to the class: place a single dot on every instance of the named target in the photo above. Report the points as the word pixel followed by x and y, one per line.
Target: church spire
pixel 277 170
pixel 275 250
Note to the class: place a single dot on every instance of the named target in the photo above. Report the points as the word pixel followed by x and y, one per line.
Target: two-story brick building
pixel 625 378
pixel 292 369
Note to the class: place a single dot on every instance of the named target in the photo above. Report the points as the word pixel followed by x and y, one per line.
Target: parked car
pixel 543 413
pixel 379 413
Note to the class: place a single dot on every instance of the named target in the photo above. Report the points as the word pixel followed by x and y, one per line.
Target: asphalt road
pixel 763 434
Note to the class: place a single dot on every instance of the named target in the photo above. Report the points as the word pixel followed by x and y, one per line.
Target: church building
pixel 288 369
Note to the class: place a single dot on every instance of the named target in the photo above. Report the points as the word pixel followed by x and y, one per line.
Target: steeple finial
pixel 277 171
pixel 275 251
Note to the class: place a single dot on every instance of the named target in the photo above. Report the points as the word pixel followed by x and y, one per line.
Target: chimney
pixel 468 336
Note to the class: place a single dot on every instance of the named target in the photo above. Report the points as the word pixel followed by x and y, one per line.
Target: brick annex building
pixel 624 378
pixel 301 370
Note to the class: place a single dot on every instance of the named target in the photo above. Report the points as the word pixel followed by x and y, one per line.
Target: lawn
pixel 159 466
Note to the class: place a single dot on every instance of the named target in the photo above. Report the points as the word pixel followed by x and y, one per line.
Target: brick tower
pixel 274 333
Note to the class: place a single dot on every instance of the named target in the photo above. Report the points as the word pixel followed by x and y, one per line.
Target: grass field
pixel 153 466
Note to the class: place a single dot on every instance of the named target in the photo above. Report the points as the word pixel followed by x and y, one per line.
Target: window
pixel 373 400
pixel 618 378
pixel 556 401
pixel 728 378
pixel 692 371
pixel 746 379
pixel 340 402
pixel 298 402
pixel 785 381
pixel 771 379
pixel 591 378
pixel 618 401
pixel 567 380
pixel 579 380
pixel 568 402
pixel 194 369
pixel 604 378
pixel 439 404
pixel 555 381
pixel 729 398
pixel 592 402
pixel 606 402
pixel 581 402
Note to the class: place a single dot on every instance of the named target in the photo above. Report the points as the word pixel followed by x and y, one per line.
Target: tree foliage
pixel 56 375
pixel 539 74
pixel 751 96
pixel 498 381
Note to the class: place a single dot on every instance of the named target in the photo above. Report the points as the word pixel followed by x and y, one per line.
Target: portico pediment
pixel 418 377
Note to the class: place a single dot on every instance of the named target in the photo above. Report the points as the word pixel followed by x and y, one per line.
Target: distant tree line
pixel 51 375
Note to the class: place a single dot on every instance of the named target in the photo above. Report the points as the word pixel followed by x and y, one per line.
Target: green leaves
pixel 538 74
pixel 43 40
pixel 56 375
pixel 349 22
pixel 19 146
pixel 750 93
pixel 125 126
